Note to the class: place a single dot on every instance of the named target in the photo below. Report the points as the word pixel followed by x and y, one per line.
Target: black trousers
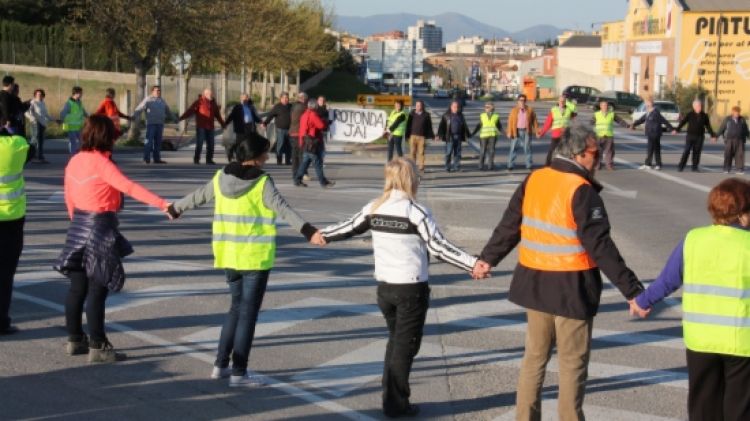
pixel 654 150
pixel 693 144
pixel 11 244
pixel 719 387
pixel 551 152
pixel 405 309
pixel 734 149
pixel 94 295
pixel 297 154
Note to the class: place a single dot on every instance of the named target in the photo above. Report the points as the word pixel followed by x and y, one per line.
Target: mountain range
pixel 454 26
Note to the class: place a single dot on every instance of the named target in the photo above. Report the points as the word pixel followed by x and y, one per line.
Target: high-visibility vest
pixel 560 120
pixel 716 290
pixel 489 125
pixel 73 121
pixel 401 128
pixel 244 229
pixel 549 233
pixel 571 105
pixel 604 124
pixel 13 152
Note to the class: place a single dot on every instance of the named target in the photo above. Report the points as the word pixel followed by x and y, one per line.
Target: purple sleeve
pixel 669 281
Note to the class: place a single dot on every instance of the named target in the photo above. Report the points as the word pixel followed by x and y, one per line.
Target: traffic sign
pixel 382 100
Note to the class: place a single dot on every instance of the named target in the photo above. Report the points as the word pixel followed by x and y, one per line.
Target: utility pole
pixel 718 61
pixel 411 68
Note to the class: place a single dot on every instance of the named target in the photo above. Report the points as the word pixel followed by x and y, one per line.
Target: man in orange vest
pixel 558 220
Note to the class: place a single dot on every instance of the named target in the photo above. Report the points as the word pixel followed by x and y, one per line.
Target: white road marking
pixel 592 412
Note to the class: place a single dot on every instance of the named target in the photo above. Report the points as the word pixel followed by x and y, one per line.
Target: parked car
pixel 441 93
pixel 617 100
pixel 580 94
pixel 668 109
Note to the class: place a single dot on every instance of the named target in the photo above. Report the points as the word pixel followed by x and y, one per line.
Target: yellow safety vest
pixel 13 153
pixel 604 124
pixel 716 290
pixel 560 120
pixel 73 121
pixel 244 229
pixel 401 128
pixel 489 125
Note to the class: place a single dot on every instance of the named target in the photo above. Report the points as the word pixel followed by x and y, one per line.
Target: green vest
pixel 13 152
pixel 489 125
pixel 560 120
pixel 401 128
pixel 571 106
pixel 244 229
pixel 716 290
pixel 73 121
pixel 604 124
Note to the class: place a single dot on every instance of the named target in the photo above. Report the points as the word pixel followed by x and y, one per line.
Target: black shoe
pixel 160 162
pixel 9 330
pixel 410 411
pixel 329 184
pixel 196 162
pixel 146 162
pixel 695 170
pixel 210 163
pixel 680 169
pixel 300 184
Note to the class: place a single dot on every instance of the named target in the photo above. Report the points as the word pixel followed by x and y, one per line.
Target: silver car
pixel 668 110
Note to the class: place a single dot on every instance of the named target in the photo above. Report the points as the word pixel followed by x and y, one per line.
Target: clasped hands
pixel 481 270
pixel 636 310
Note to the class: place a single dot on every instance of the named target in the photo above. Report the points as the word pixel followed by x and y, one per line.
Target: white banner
pixel 359 125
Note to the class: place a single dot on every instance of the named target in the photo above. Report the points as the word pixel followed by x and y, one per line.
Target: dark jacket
pixel 419 125
pixel 282 114
pixel 205 112
pixel 654 123
pixel 697 124
pixel 574 295
pixel 733 130
pixel 296 114
pixel 12 109
pixel 445 129
pixel 322 112
pixel 95 245
pixel 237 118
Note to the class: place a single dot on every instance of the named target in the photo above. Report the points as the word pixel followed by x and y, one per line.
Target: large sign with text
pixel 359 125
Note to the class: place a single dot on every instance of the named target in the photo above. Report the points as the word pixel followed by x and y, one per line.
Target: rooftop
pixel 715 5
pixel 583 41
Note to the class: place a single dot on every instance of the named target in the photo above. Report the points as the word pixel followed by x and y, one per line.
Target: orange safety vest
pixel 549 234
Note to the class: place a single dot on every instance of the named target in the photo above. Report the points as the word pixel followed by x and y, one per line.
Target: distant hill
pixel 454 26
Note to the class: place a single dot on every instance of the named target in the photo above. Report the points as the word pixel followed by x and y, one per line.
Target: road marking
pixel 592 412
pixel 616 191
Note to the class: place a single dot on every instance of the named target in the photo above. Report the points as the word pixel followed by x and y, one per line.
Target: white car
pixel 668 110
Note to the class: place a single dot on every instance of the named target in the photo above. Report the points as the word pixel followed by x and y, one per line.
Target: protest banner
pixel 359 125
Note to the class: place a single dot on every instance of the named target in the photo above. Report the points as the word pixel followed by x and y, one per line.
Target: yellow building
pixel 613 55
pixel 680 40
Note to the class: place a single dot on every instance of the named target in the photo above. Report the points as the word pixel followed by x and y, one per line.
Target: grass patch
pixel 340 87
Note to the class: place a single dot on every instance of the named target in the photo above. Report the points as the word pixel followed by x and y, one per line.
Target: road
pixel 320 339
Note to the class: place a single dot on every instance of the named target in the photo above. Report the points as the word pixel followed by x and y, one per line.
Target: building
pixel 463 45
pixel 579 62
pixel 613 55
pixel 667 41
pixel 382 36
pixel 390 61
pixel 429 34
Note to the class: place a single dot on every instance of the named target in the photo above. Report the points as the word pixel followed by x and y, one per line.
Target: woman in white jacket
pixel 39 119
pixel 403 232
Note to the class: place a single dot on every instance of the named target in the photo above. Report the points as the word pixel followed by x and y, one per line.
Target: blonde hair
pixel 400 174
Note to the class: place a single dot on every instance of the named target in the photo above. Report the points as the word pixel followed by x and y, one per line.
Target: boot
pixel 78 348
pixel 104 352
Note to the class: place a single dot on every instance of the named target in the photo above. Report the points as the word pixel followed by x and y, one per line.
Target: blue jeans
pixel 453 148
pixel 206 135
pixel 307 159
pixel 395 141
pixel 74 142
pixel 283 146
pixel 37 139
pixel 154 134
pixel 247 289
pixel 522 135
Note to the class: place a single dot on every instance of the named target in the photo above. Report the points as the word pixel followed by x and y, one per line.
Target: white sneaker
pixel 221 373
pixel 306 177
pixel 740 173
pixel 726 172
pixel 657 167
pixel 644 167
pixel 245 381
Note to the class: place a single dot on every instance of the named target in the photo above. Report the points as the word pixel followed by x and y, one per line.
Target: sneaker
pixel 657 167
pixel 305 177
pixel 78 348
pixel 740 173
pixel 146 162
pixel 221 373
pixel 245 381
pixel 644 167
pixel 726 172
pixel 105 353
pixel 300 184
pixel 329 184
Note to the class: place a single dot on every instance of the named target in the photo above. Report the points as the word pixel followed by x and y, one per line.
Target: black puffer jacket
pixel 95 245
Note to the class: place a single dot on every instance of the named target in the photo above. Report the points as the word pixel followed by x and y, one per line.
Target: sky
pixel 511 15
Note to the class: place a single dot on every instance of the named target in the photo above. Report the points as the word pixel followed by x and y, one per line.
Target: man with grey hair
pixel 298 108
pixel 558 220
pixel 697 124
pixel 311 128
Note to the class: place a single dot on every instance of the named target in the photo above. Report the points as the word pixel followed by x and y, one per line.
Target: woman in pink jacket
pixel 94 247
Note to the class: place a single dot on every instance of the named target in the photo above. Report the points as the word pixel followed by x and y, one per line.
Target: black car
pixel 581 94
pixel 617 100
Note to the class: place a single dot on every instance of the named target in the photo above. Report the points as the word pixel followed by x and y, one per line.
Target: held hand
pixel 714 139
pixel 317 239
pixel 171 212
pixel 539 133
pixel 481 270
pixel 674 131
pixel 636 310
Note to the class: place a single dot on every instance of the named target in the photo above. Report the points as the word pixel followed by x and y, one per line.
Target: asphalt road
pixel 320 339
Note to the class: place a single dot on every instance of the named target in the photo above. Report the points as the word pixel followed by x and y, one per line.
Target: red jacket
pixel 93 183
pixel 109 108
pixel 205 111
pixel 310 124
